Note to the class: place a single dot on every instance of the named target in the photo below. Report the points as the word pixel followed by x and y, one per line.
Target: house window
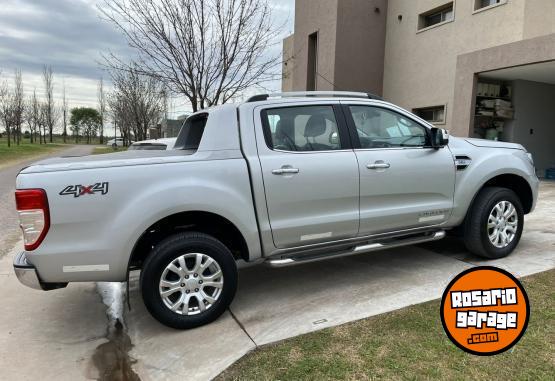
pixel 436 16
pixel 479 4
pixel 435 114
pixel 312 62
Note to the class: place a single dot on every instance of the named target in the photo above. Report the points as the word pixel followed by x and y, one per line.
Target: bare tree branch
pixel 101 108
pixel 207 50
pixel 51 114
pixel 137 103
pixel 64 113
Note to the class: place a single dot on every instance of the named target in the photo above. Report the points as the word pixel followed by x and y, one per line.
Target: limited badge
pixel 485 310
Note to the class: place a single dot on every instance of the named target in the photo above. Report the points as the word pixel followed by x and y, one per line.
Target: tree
pixel 5 109
pixel 12 106
pixel 137 103
pixel 51 113
pixel 43 121
pixel 85 120
pixel 101 108
pixel 64 113
pixel 207 50
pixel 32 116
pixel 18 105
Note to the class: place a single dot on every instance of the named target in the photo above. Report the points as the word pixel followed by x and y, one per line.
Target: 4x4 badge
pixel 80 190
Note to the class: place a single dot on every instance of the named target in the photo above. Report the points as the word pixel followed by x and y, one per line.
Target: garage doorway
pixel 517 105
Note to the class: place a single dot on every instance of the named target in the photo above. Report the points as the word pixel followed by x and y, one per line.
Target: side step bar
pixel 375 246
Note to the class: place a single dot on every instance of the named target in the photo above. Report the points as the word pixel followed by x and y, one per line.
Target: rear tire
pixel 494 223
pixel 188 280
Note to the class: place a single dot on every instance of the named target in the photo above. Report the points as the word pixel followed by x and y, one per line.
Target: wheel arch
pixel 209 223
pixel 517 184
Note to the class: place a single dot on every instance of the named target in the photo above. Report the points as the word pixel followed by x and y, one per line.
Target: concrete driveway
pixel 274 304
pixel 65 333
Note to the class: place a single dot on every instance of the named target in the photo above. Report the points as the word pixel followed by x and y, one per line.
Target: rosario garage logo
pixel 485 310
pixel 81 190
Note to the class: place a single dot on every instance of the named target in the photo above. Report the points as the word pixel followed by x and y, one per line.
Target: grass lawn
pixel 25 150
pixel 408 344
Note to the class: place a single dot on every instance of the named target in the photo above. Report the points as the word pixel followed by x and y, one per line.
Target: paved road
pixel 9 231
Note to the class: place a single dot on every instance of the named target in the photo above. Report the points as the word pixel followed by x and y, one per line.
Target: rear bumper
pixel 27 275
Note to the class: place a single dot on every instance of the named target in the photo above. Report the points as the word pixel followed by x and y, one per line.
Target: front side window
pixel 381 128
pixel 304 128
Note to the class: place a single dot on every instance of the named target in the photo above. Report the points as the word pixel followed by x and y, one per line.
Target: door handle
pixel 285 171
pixel 378 165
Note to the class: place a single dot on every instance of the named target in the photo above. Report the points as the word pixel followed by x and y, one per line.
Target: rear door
pixel 404 183
pixel 310 173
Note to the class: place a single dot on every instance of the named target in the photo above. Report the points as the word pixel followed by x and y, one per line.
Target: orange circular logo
pixel 485 310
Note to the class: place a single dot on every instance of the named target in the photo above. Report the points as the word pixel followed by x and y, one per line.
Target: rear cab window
pixel 191 132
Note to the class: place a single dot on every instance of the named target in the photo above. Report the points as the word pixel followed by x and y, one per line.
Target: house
pixel 480 68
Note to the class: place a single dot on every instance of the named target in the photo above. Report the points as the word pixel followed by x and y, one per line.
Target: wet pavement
pixel 86 331
pixel 111 359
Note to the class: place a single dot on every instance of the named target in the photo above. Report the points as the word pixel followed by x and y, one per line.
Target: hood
pixel 493 144
pixel 116 159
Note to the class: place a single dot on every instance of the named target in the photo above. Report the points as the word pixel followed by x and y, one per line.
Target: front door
pixel 310 174
pixel 404 183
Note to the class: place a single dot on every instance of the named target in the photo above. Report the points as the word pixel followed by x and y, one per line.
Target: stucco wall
pixel 315 16
pixel 360 46
pixel 539 18
pixel 288 64
pixel 539 49
pixel 351 44
pixel 420 66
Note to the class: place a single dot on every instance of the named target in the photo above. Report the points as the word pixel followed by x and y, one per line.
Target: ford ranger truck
pixel 282 179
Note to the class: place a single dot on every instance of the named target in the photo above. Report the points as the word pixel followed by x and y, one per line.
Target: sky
pixel 70 36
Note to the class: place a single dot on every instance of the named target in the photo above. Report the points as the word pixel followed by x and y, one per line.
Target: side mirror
pixel 440 137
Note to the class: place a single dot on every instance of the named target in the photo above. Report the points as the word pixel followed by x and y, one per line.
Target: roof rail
pixel 308 94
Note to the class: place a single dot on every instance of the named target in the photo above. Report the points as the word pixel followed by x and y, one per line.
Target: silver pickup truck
pixel 281 179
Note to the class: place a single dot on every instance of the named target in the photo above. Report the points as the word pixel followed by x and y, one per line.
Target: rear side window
pixel 304 128
pixel 191 132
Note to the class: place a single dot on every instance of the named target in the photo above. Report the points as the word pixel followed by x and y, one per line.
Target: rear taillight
pixel 34 217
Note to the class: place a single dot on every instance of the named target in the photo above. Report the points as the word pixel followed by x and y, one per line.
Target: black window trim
pixel 344 138
pixel 200 115
pixel 353 129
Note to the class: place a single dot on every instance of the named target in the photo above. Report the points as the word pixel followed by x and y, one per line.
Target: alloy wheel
pixel 502 224
pixel 191 284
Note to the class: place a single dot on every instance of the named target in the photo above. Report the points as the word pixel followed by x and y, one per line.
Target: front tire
pixel 188 280
pixel 494 224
